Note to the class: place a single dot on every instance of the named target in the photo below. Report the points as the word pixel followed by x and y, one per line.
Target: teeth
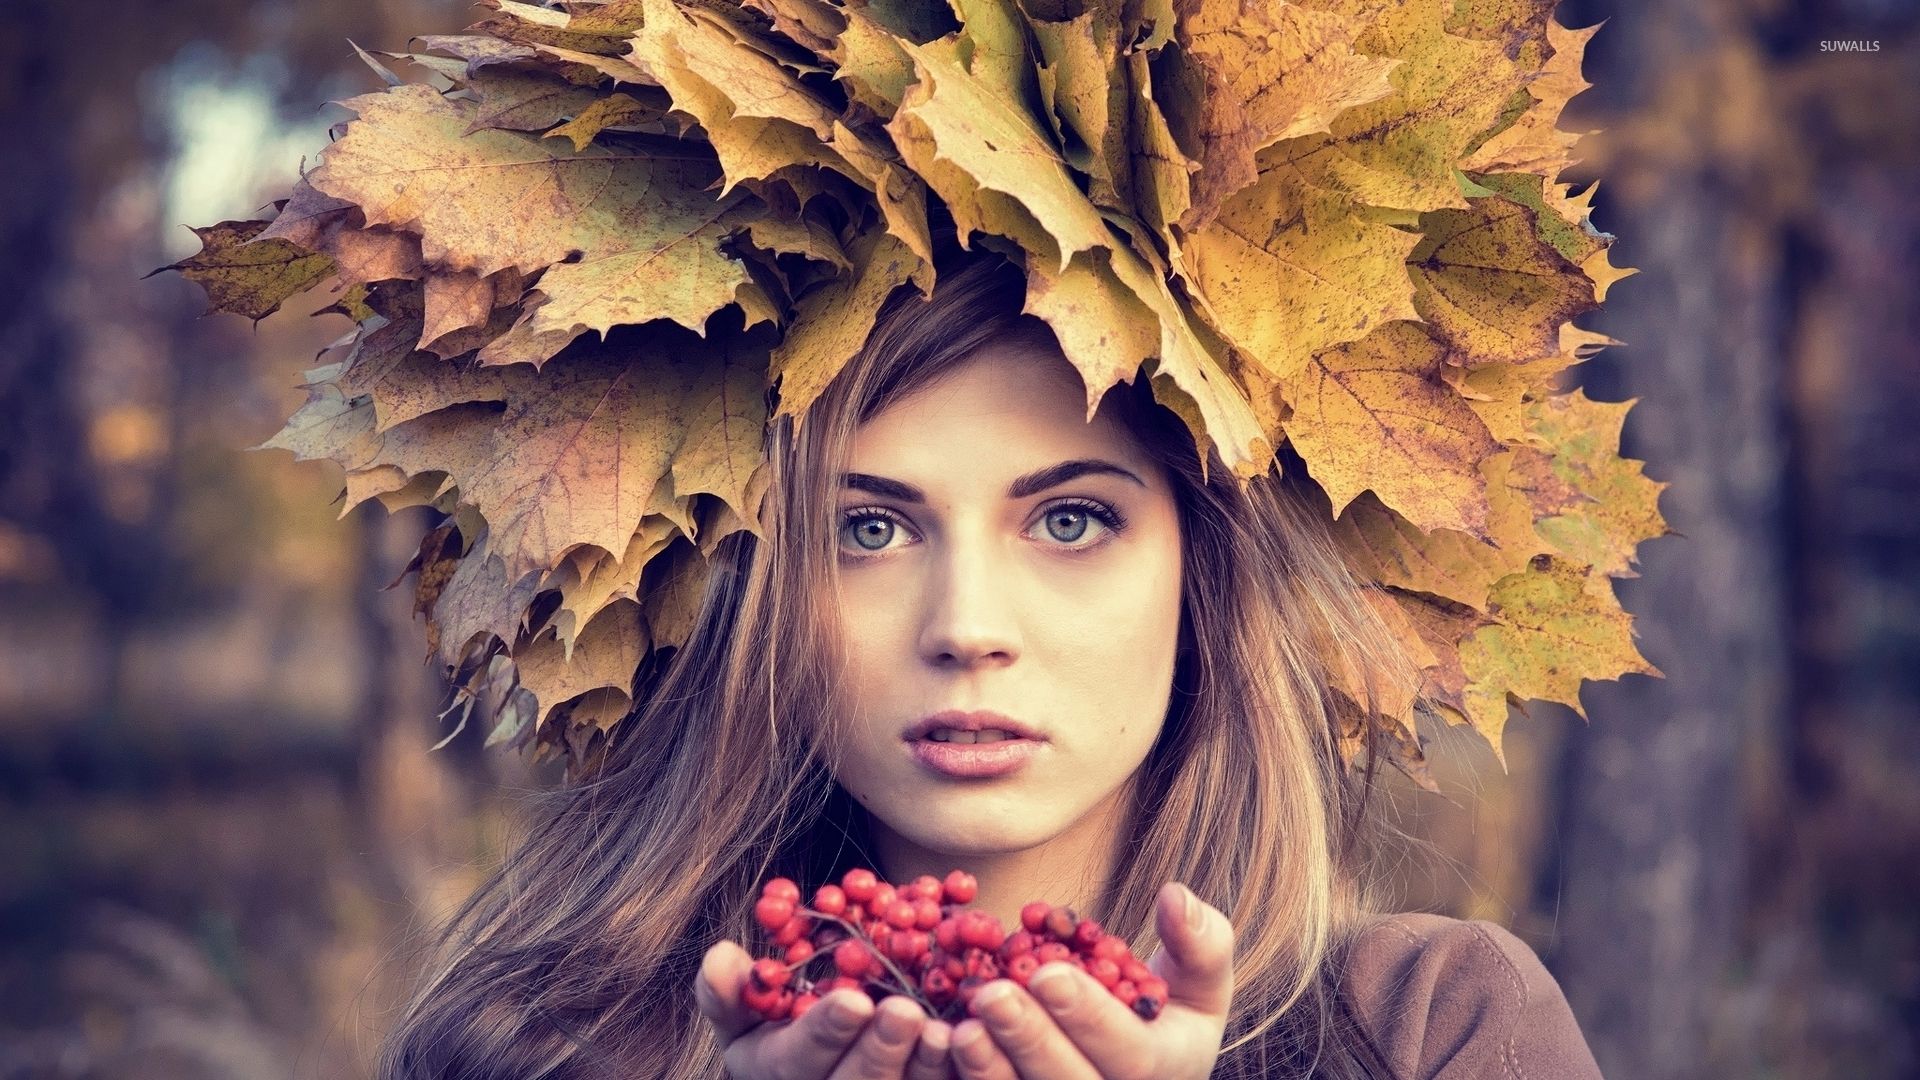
pixel 950 735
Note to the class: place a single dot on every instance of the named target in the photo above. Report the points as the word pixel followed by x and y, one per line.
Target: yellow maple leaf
pixel 1554 626
pixel 1288 271
pixel 1377 415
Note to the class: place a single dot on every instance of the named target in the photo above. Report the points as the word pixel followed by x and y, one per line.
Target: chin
pixel 963 826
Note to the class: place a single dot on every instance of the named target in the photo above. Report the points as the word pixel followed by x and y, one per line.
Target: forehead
pixel 1011 404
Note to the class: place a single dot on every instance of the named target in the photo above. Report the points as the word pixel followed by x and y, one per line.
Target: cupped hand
pixel 843 1037
pixel 1072 1028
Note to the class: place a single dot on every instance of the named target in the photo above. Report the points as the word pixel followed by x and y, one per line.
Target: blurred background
pixel 221 821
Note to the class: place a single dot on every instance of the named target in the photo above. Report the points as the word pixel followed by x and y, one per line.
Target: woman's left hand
pixel 1072 1028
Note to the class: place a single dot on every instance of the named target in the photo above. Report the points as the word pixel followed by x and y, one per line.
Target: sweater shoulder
pixel 1447 999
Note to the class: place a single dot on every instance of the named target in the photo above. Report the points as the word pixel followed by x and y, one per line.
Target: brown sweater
pixel 1452 999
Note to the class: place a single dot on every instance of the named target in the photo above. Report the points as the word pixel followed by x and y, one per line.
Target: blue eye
pixel 874 527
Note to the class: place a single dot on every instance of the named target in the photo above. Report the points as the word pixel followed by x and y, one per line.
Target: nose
pixel 972 607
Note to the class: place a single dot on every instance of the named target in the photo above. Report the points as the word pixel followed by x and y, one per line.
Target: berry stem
pixel 907 985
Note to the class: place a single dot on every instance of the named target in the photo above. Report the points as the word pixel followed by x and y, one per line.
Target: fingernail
pixel 1055 986
pixel 995 1001
pixel 1196 911
pixel 844 1019
pixel 895 1026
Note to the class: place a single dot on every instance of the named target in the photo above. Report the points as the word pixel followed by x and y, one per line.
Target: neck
pixel 1069 869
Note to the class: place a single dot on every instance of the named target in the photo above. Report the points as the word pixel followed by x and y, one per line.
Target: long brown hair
pixel 576 958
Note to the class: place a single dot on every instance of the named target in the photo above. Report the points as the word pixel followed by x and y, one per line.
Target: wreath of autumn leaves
pixel 602 244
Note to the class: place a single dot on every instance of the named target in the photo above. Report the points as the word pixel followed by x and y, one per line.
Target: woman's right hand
pixel 843 1037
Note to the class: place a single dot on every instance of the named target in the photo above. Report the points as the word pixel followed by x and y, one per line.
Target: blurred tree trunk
pixel 1713 138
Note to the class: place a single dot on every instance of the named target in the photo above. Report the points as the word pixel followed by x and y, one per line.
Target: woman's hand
pixel 1077 1029
pixel 843 1037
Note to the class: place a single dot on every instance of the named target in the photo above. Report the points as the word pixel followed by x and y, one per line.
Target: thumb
pixel 1196 951
pixel 716 990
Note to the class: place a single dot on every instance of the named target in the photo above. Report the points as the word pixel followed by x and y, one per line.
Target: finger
pixel 1111 1036
pixel 976 1057
pixel 807 1048
pixel 1196 953
pixel 885 1044
pixel 1027 1035
pixel 716 990
pixel 931 1055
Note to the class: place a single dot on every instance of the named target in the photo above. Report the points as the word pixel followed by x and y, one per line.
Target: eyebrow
pixel 1031 484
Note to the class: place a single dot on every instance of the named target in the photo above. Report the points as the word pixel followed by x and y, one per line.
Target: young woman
pixel 956 547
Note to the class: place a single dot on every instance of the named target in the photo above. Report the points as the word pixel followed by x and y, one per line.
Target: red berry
pixel 926 914
pixel 1087 934
pixel 924 932
pixel 773 912
pixel 901 915
pixel 1153 997
pixel 830 900
pixel 1061 922
pixel 1021 968
pixel 859 885
pixel 1104 971
pixel 795 928
pixel 759 999
pixel 960 887
pixel 937 983
pixel 947 934
pixel 1033 917
pixel 906 946
pixel 768 972
pixel 981 930
pixel 853 959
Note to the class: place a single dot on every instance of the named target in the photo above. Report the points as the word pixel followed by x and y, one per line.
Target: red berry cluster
pixel 921 940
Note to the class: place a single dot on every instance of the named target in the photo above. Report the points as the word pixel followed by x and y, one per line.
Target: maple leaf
pixel 1530 141
pixel 1402 150
pixel 1554 626
pixel 576 452
pixel 1491 286
pixel 1335 223
pixel 603 657
pixel 1376 415
pixel 989 159
pixel 1444 562
pixel 1617 507
pixel 611 111
pixel 518 99
pixel 1266 72
pixel 1290 271
pixel 1088 91
pixel 833 320
pixel 643 238
pixel 248 279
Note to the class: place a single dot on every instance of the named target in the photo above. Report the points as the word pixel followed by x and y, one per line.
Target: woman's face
pixel 986 594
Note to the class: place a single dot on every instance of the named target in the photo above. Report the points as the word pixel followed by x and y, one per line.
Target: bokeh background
pixel 222 819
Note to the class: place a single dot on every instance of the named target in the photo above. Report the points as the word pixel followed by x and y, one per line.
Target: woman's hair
pixel 577 957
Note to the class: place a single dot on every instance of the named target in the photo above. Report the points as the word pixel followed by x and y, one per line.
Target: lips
pixel 974 762
pixel 977 725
